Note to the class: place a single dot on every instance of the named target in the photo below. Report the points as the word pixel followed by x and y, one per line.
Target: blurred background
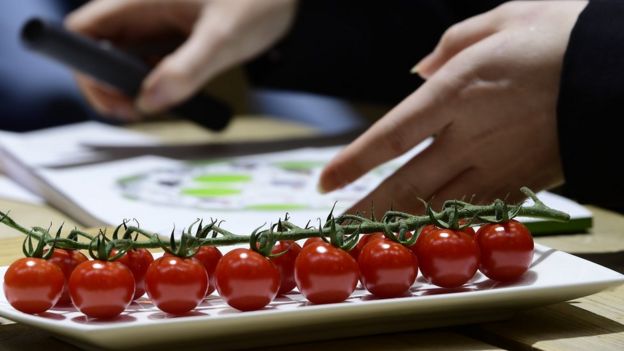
pixel 336 71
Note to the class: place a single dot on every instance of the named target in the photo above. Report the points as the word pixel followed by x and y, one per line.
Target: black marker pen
pixel 114 67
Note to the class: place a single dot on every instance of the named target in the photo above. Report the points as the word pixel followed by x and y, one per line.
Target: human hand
pixel 490 100
pixel 221 34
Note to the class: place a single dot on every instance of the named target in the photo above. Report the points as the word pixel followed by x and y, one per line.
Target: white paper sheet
pixel 65 145
pixel 13 191
pixel 244 191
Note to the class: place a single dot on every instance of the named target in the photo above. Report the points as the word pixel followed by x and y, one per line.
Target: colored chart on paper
pixel 247 183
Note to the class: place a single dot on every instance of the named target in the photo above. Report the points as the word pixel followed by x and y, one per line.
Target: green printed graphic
pixel 210 192
pixel 223 178
pixel 299 165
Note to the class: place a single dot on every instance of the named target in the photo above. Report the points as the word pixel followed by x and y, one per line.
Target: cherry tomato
pixel 101 289
pixel 137 261
pixel 33 285
pixel 313 240
pixel 325 274
pixel 286 264
pixel 506 250
pixel 430 227
pixel 246 280
pixel 469 230
pixel 446 257
pixel 355 252
pixel 387 269
pixel 176 285
pixel 67 261
pixel 426 229
pixel 209 257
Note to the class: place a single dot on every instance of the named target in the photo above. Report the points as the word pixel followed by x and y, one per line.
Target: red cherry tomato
pixel 313 240
pixel 246 280
pixel 138 261
pixel 101 289
pixel 387 269
pixel 469 230
pixel 506 250
pixel 286 264
pixel 176 285
pixel 430 227
pixel 355 252
pixel 325 274
pixel 446 257
pixel 67 261
pixel 209 257
pixel 426 229
pixel 33 285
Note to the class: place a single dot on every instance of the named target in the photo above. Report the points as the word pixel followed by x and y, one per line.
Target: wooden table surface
pixel 594 322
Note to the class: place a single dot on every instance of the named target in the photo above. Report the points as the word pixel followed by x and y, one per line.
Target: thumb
pixel 457 38
pixel 186 70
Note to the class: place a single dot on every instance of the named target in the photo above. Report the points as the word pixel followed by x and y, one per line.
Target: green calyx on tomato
pixel 37 251
pixel 455 221
pixel 101 247
pixel 263 241
pixel 403 237
pixel 338 238
pixel 186 247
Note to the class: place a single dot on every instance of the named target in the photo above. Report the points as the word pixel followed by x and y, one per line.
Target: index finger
pixel 88 19
pixel 122 19
pixel 422 114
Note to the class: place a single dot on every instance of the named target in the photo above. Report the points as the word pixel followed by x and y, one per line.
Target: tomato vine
pixel 342 230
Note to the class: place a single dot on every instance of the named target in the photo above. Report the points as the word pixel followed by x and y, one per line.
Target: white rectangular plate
pixel 554 276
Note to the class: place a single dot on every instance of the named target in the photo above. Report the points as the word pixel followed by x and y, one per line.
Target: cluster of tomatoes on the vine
pixel 385 264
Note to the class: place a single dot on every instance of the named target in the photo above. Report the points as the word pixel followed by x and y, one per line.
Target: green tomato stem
pixel 344 225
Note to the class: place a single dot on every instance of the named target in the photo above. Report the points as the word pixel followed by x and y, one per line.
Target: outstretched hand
pixel 490 101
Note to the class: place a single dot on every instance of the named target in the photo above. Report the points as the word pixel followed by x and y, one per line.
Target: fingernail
pixel 321 189
pixel 418 68
pixel 415 69
pixel 153 99
pixel 329 181
pixel 329 186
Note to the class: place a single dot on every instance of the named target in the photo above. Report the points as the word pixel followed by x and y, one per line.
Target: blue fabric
pixel 34 91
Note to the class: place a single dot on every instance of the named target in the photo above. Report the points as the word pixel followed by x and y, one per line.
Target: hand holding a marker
pixel 217 34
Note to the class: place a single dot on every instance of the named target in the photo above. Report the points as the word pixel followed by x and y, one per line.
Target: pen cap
pixel 96 59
